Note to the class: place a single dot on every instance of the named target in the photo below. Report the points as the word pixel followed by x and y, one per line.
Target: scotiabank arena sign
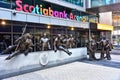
pixel 38 9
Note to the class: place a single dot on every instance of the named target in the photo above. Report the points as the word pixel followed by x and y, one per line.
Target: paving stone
pixel 72 71
pixel 79 70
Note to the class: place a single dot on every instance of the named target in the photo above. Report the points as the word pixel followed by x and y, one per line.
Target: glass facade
pixel 116 32
pixel 11 3
pixel 94 19
pixel 13 30
pixel 80 16
pixel 76 2
pixel 96 3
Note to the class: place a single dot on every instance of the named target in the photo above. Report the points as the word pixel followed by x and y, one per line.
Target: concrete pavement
pixel 79 70
pixel 114 62
pixel 72 71
pixel 86 70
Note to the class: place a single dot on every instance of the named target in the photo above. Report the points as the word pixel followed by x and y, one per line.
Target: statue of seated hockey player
pixel 28 45
pixel 22 45
pixel 58 45
pixel 45 42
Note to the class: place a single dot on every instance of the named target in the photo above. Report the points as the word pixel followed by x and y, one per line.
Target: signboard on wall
pixel 39 9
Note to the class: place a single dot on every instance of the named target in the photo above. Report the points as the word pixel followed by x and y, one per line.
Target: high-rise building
pixel 109 13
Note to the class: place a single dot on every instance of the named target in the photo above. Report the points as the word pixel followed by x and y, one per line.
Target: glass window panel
pixel 5 41
pixel 5 4
pixel 103 2
pixel 5 28
pixel 76 2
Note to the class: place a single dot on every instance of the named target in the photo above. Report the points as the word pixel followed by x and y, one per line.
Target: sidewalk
pixel 72 71
pixel 85 70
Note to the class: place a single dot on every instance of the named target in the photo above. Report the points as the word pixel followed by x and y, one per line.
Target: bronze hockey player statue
pixel 66 41
pixel 58 45
pixel 45 42
pixel 72 41
pixel 92 48
pixel 106 48
pixel 22 45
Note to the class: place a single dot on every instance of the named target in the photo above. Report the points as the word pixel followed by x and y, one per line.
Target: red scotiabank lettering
pixel 31 8
pixel 19 6
pixel 26 7
pixel 74 17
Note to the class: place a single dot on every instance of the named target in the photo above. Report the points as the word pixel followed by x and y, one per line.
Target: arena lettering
pixel 38 9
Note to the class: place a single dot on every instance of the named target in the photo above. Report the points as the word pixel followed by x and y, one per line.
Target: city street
pixel 79 70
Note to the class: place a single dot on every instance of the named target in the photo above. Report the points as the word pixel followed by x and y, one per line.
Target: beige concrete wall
pixel 106 18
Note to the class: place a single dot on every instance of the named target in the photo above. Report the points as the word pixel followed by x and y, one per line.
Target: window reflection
pixel 76 2
pixel 103 2
pixel 42 37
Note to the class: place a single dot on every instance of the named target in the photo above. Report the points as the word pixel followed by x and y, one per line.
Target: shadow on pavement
pixel 103 63
pixel 116 53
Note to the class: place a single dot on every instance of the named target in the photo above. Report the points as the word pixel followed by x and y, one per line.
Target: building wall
pixel 6 14
pixel 105 18
pixel 88 3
